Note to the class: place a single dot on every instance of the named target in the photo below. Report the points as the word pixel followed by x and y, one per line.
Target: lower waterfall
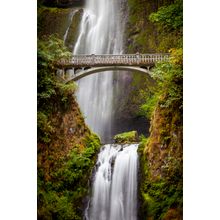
pixel 114 190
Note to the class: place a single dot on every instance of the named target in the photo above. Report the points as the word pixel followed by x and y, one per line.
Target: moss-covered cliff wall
pixel 57 21
pixel 67 149
pixel 49 20
pixel 156 26
pixel 142 35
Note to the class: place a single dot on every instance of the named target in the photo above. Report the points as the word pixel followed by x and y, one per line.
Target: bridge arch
pixel 93 70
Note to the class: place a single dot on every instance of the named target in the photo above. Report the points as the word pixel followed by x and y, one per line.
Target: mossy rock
pixel 52 21
pixel 126 137
pixel 73 30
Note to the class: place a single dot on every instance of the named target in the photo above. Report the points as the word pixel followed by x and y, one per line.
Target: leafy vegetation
pixel 169 18
pixel 168 75
pixel 154 26
pixel 160 195
pixel 169 90
pixel 66 147
pixel 161 154
pixel 61 197
pixel 169 22
pixel 52 94
pixel 147 108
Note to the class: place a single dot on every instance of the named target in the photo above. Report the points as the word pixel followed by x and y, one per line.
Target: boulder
pixel 126 137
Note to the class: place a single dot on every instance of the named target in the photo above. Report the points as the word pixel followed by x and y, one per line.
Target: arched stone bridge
pixel 84 65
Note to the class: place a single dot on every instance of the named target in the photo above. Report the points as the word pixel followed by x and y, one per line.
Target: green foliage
pixel 126 137
pixel 44 127
pixel 169 76
pixel 154 30
pixel 76 165
pixel 169 91
pixel 147 108
pixel 143 142
pixel 54 206
pixel 61 197
pixel 160 195
pixel 92 145
pixel 169 17
pixel 51 49
pixel 169 22
pixel 52 94
pixel 158 29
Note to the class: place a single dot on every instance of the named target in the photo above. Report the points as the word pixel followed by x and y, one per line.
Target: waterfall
pixel 114 194
pixel 114 191
pixel 101 32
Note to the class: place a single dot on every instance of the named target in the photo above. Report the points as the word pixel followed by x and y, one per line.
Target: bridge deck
pixel 113 60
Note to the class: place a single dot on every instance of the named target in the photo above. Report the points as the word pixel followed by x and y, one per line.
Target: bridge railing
pixel 128 59
pixel 111 59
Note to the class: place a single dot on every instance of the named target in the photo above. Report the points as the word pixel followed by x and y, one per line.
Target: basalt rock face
pixel 142 35
pixel 50 20
pixel 57 21
pixel 161 154
pixel 165 147
pixel 69 131
pixel 65 165
pixel 72 33
pixel 161 164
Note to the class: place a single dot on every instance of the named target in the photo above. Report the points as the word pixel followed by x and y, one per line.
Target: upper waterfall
pixel 101 32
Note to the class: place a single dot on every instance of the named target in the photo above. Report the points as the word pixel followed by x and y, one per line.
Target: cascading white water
pixel 114 191
pixel 101 32
pixel 114 194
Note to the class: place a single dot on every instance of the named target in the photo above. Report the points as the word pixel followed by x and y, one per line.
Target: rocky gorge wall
pixel 66 147
pixel 141 36
pixel 161 154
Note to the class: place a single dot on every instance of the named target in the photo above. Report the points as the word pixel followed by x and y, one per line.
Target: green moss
pixel 73 30
pixel 52 21
pixel 127 137
pixel 61 197
pixel 159 195
pixel 169 17
pixel 147 26
pixel 67 149
pixel 52 94
pixel 144 36
pixel 161 154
